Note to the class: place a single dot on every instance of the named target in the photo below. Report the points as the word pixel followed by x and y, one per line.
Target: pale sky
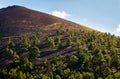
pixel 103 15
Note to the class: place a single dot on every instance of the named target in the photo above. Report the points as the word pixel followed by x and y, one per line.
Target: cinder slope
pixel 17 20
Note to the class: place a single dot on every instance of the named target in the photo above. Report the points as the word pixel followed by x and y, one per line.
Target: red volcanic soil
pixel 17 20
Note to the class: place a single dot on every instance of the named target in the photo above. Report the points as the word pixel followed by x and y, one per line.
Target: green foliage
pixel 12 55
pixel 83 55
pixel 109 77
pixel 25 44
pixel 68 42
pixel 71 76
pixel 59 43
pixel 87 75
pixel 45 77
pixel 11 44
pixel 77 41
pixel 51 42
pixel 78 75
pixel 45 61
pixel 73 58
pixel 26 64
pixel 34 52
pixel 99 78
pixel 13 73
pixel 4 71
pixel 71 33
pixel 92 55
pixel 116 75
pixel 35 40
pixel 57 77
pixel 21 75
pixel 91 46
pixel 67 72
pixel 39 33
pixel 107 72
pixel 115 60
pixel 61 27
pixel 60 46
pixel 58 39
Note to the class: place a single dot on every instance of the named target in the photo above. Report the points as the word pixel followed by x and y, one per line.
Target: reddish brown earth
pixel 17 20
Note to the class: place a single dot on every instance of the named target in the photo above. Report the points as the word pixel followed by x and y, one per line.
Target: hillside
pixel 35 45
pixel 17 20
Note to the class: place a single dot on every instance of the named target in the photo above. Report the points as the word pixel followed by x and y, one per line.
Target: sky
pixel 103 15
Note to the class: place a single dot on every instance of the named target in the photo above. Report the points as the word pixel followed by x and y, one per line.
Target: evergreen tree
pixel 69 42
pixel 34 52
